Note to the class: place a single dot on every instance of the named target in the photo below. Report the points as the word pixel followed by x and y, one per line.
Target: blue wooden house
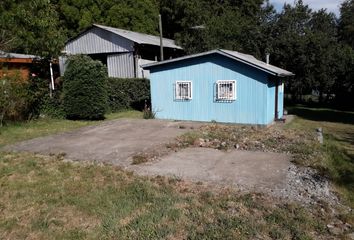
pixel 219 85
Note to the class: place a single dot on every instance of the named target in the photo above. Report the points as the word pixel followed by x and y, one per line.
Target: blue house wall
pixel 270 101
pixel 255 93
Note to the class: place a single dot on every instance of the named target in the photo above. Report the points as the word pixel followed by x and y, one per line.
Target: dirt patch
pixel 300 144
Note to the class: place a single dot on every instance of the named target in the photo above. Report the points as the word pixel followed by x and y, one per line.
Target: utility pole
pixel 161 40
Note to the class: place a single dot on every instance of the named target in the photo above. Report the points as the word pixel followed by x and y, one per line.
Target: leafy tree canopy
pixel 347 22
pixel 32 27
pixel 77 15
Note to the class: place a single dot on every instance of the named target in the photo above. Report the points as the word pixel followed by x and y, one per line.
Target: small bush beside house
pixel 85 89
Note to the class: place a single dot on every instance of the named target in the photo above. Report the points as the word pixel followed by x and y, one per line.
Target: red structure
pixel 14 63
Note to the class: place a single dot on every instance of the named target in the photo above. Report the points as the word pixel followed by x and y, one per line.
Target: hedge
pixel 126 93
pixel 85 89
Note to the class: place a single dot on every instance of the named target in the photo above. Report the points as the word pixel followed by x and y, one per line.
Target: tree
pixel 184 20
pixel 346 22
pixel 321 52
pixel 200 25
pixel 289 45
pixel 84 89
pixel 6 40
pixel 344 84
pixel 33 27
pixel 77 15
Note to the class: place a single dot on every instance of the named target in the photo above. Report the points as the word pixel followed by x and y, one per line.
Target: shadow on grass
pixel 322 114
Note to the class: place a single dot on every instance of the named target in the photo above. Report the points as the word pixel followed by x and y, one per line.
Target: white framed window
pixel 226 90
pixel 281 88
pixel 183 90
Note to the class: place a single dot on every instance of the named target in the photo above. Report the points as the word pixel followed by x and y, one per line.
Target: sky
pixel 331 5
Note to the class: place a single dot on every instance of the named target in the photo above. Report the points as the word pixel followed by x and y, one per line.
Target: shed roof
pixel 140 38
pixel 16 55
pixel 240 57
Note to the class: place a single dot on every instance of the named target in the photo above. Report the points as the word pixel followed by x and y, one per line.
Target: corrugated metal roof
pixel 251 59
pixel 140 38
pixel 15 55
pixel 241 57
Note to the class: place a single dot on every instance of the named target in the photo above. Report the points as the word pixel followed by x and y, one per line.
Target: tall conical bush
pixel 85 89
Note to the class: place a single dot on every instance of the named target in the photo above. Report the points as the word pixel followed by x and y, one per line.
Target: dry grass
pixel 45 197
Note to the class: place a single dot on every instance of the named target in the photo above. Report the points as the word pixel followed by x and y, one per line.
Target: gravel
pixel 305 185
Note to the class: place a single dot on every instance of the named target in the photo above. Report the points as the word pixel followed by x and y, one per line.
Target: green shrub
pixel 41 102
pixel 39 91
pixel 85 89
pixel 52 106
pixel 127 93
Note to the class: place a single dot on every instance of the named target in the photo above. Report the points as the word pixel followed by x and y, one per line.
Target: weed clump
pixel 148 113
pixel 139 159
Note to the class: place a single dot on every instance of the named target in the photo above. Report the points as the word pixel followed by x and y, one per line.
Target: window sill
pixel 224 100
pixel 182 99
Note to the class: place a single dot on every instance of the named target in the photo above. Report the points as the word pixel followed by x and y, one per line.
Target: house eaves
pixel 237 56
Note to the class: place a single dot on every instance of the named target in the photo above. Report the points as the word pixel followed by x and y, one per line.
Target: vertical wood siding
pixel 252 106
pixel 98 41
pixel 121 65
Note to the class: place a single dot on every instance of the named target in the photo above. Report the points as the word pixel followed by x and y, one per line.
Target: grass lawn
pixel 14 132
pixel 338 148
pixel 45 197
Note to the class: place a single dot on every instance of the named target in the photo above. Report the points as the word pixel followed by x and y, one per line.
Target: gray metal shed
pixel 121 50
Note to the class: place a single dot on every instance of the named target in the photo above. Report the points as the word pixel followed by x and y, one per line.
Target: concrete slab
pixel 251 170
pixel 117 141
pixel 113 142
